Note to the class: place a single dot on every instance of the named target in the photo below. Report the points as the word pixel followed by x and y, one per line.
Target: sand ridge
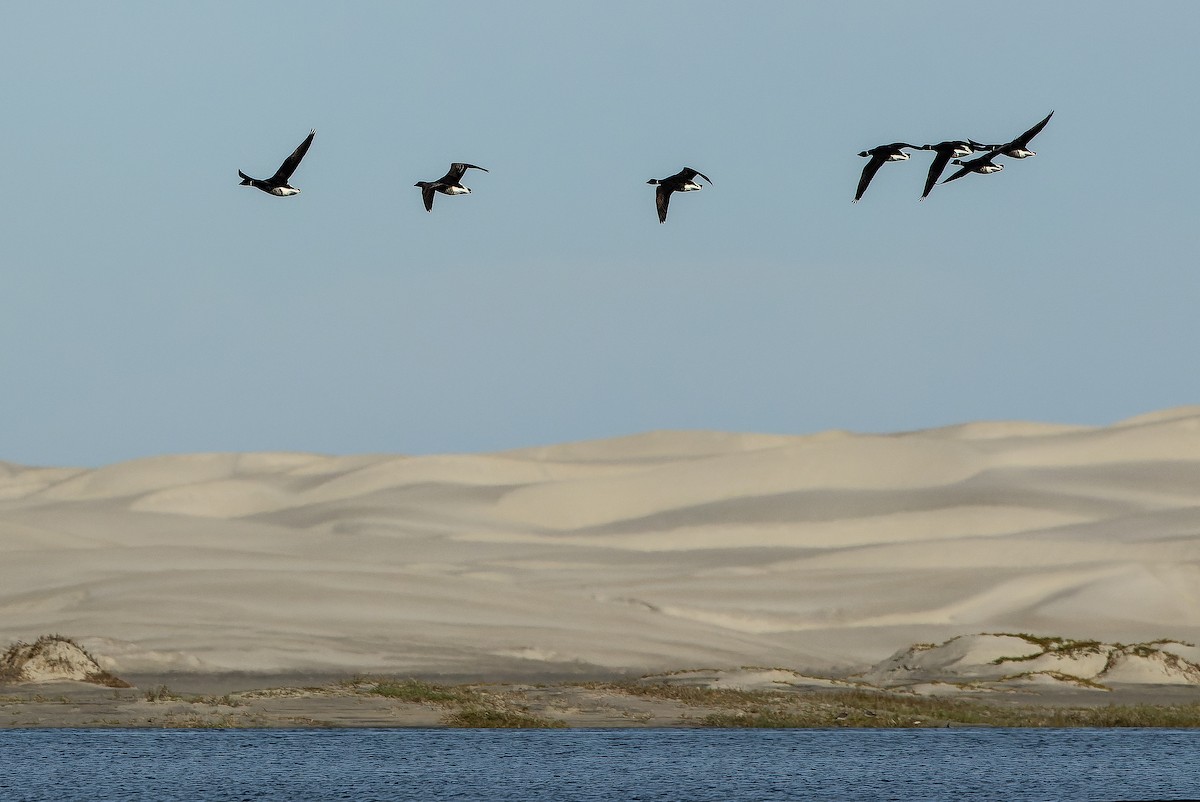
pixel 651 552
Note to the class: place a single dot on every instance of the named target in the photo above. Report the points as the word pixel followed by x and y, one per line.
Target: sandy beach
pixel 822 554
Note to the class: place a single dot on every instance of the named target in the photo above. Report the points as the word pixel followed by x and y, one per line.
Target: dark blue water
pixel 599 765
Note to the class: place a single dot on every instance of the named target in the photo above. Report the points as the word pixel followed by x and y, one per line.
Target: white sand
pixel 655 552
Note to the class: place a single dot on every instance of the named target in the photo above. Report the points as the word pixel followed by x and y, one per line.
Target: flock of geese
pixel 952 149
pixel 685 179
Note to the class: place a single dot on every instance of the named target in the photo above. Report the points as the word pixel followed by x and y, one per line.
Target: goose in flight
pixel 984 165
pixel 278 183
pixel 1019 147
pixel 946 151
pixel 682 181
pixel 879 155
pixel 449 184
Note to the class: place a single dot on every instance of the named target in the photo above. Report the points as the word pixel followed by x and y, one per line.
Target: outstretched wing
pixel 867 174
pixel 1024 138
pixel 292 162
pixel 662 197
pixel 427 196
pixel 935 171
pixel 687 174
pixel 457 169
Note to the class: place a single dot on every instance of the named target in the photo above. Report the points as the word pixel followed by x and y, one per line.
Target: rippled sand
pixel 653 552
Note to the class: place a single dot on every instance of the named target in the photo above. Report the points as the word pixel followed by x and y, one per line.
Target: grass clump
pixel 692 694
pixel 1175 716
pixel 469 707
pixel 498 718
pixel 161 693
pixel 763 719
pixel 416 691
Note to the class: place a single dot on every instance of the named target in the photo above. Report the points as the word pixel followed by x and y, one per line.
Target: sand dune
pixel 651 552
pixel 975 662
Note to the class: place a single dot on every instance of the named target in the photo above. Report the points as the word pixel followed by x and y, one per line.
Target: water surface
pixel 598 765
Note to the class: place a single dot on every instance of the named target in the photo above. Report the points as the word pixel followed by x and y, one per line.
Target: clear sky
pixel 151 305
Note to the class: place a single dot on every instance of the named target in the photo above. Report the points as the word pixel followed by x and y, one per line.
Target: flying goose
pixel 447 184
pixel 682 181
pixel 1019 147
pixel 278 183
pixel 983 165
pixel 946 151
pixel 879 155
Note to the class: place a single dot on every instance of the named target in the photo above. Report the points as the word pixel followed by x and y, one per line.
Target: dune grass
pixel 470 707
pixel 880 709
pixel 664 704
pixel 497 718
pixel 690 694
pixel 416 691
pixel 18 653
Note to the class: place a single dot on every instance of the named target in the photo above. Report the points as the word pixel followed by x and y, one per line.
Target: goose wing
pixel 662 198
pixel 868 173
pixel 427 196
pixel 935 171
pixel 292 162
pixel 687 174
pixel 457 169
pixel 1024 138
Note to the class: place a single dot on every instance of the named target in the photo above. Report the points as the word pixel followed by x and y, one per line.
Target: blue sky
pixel 151 305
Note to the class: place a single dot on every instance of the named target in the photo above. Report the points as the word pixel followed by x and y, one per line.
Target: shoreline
pixel 246 702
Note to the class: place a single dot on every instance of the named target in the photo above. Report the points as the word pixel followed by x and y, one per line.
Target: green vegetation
pixel 161 693
pixel 860 709
pixel 645 702
pixel 689 694
pixel 1128 716
pixel 412 690
pixel 470 706
pixel 499 718
pixel 1049 645
pixel 867 709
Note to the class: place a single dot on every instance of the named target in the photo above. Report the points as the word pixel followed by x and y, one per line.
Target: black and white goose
pixel 449 184
pixel 278 183
pixel 879 155
pixel 946 151
pixel 984 165
pixel 682 181
pixel 1019 147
